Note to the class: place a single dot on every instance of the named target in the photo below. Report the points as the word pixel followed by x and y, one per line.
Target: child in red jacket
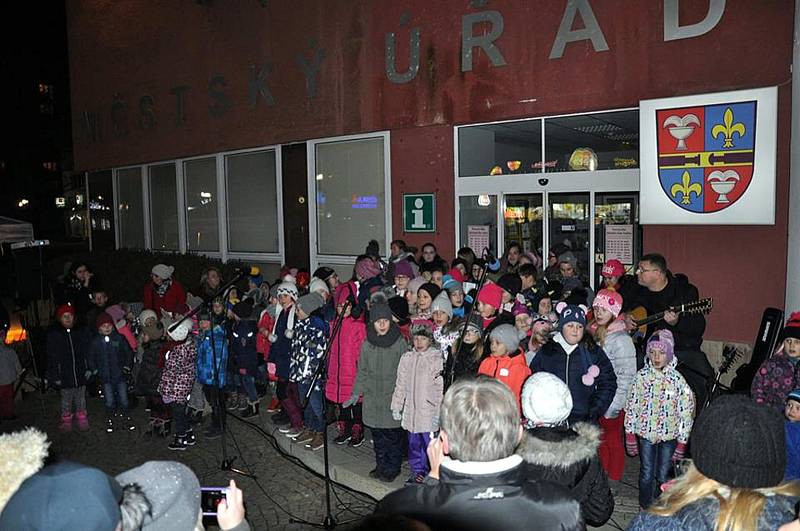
pixel 506 362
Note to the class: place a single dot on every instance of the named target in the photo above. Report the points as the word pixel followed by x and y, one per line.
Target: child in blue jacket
pixel 110 357
pixel 792 412
pixel 212 363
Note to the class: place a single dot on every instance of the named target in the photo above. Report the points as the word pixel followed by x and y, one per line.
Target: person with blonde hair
pixel 736 480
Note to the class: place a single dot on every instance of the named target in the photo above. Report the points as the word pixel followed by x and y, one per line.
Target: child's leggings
pixel 418 452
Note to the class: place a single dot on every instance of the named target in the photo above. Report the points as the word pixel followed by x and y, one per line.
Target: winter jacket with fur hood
pixel 660 404
pixel 419 389
pixel 588 401
pixel 569 457
pixel 343 359
pixel 621 352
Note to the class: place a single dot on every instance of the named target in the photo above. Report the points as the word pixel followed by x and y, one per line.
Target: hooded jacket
pixel 702 516
pixel 375 380
pixel 343 359
pixel 109 357
pixel 308 347
pixel 588 401
pixel 660 405
pixel 179 372
pixel 569 457
pixel 775 379
pixel 67 353
pixel 511 370
pixel 243 346
pixel 419 389
pixel 478 496
pixel 207 353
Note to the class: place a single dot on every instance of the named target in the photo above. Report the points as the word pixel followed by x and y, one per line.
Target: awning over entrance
pixel 14 230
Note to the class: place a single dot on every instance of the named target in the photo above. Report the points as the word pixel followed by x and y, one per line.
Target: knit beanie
pixel 491 294
pixel 403 267
pixel 380 311
pixel 508 335
pixel 794 395
pixel 324 273
pixel 310 302
pixel 510 282
pixel 102 319
pixel 373 249
pixel 116 312
pixel 442 303
pixel 173 490
pixel 316 285
pixel 243 310
pixel 147 314
pixel 546 399
pixel 453 286
pixel 288 288
pixel 399 307
pixel 608 300
pixel 740 443
pixel 568 258
pixel 663 340
pixel 415 283
pixel 456 274
pixel 422 328
pixel 367 268
pixel 431 289
pixel 613 268
pixel 181 331
pixel 163 271
pixel 792 327
pixel 571 313
pixel 65 308
pixel 475 322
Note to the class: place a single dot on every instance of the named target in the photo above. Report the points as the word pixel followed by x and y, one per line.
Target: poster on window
pixel 478 237
pixel 709 159
pixel 619 243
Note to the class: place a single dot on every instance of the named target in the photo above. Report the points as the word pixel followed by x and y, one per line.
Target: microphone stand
pixel 450 376
pixel 329 522
pixel 226 463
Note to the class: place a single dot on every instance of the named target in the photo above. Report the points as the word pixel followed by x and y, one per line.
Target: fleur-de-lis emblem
pixel 728 129
pixel 686 187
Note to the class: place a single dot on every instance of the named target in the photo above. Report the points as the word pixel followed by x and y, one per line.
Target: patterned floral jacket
pixel 179 372
pixel 660 405
pixel 776 377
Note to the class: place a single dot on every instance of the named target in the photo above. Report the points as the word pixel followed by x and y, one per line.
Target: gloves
pixel 397 415
pixel 631 447
pixel 87 374
pixel 350 402
pixel 126 370
pixel 680 452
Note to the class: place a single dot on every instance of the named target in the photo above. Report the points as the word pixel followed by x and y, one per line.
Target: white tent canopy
pixel 14 230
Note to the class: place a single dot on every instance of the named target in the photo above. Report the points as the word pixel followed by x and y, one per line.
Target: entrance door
pixel 295 204
pixel 617 230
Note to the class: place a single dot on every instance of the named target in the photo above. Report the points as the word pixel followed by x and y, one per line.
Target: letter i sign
pixel 419 213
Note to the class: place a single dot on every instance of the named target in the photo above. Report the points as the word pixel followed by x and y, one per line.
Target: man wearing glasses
pixel 661 290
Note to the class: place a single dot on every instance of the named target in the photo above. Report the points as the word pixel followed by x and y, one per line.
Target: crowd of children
pixel 397 335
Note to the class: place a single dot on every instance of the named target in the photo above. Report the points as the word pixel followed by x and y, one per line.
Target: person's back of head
pixel 481 420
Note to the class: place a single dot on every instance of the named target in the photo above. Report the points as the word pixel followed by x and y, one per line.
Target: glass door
pixel 569 215
pixel 618 234
pixel 523 221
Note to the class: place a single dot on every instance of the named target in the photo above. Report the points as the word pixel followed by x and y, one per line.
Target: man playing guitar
pixel 660 290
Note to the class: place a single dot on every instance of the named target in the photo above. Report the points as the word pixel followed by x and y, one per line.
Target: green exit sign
pixel 419 213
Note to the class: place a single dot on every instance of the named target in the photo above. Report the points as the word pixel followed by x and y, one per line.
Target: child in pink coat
pixel 342 369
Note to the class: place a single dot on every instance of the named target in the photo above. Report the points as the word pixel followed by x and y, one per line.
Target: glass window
pixel 163 207
pixel 101 209
pixel 506 148
pixel 130 208
pixel 602 141
pixel 252 199
pixel 477 215
pixel 617 231
pixel 350 196
pixel 569 225
pixel 201 204
pixel 523 217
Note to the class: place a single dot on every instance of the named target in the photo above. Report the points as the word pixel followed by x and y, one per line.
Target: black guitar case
pixel 763 347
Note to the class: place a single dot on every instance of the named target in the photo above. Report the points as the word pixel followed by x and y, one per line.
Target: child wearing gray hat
pixel 506 361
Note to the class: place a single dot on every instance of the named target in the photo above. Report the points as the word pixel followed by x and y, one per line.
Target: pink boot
pixel 66 423
pixel 83 420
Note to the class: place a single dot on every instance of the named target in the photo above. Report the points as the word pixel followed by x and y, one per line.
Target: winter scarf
pixel 161 289
pixel 386 340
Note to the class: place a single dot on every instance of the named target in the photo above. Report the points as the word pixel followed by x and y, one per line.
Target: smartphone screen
pixel 210 498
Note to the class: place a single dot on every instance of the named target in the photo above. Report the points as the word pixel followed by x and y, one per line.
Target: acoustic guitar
pixel 642 320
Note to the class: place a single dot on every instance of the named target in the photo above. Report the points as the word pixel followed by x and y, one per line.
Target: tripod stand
pixel 217 405
pixel 329 522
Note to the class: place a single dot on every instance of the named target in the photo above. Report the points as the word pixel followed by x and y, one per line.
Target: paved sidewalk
pixel 287 486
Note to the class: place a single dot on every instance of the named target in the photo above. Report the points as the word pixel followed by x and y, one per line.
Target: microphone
pixel 248 270
pixel 492 262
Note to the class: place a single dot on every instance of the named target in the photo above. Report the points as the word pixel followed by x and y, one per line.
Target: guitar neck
pixel 650 319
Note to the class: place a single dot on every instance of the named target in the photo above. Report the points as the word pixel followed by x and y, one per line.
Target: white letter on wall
pixel 591 30
pixel 673 31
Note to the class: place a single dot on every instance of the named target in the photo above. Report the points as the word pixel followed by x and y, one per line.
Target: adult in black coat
pixel 483 485
pixel 564 454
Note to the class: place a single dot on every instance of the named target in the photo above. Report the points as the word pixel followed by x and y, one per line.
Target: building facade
pixel 290 132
